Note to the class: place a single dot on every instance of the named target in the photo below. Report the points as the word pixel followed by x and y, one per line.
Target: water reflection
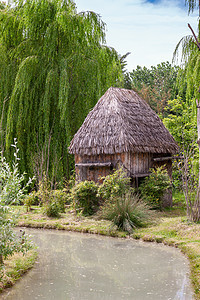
pixel 78 266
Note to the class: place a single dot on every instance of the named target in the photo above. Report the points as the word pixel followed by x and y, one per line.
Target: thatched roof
pixel 121 121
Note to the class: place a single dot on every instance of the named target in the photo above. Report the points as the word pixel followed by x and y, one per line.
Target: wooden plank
pixel 133 169
pixel 140 163
pixel 137 163
pixel 150 160
pixel 167 158
pixel 135 175
pixel 162 158
pixel 146 162
pixel 106 164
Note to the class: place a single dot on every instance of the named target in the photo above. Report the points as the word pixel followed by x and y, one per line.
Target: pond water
pixel 88 267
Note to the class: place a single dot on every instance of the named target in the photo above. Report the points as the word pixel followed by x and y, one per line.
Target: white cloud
pixel 150 32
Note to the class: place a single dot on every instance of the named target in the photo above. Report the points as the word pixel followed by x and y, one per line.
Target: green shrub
pixel 44 191
pixel 84 197
pixel 55 204
pixel 178 198
pixel 12 191
pixel 53 201
pixel 153 187
pixel 61 197
pixel 70 183
pixel 52 209
pixel 126 211
pixel 31 199
pixel 114 185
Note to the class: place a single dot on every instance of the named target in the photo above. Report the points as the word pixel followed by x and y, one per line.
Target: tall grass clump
pixel 126 211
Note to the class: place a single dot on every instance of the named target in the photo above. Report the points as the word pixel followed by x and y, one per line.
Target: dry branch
pixel 197 43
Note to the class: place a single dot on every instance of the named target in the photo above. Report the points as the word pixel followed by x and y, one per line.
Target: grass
pixel 14 267
pixel 169 227
pixel 68 221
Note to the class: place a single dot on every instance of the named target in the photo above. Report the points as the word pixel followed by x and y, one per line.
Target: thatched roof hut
pixel 121 122
pixel 122 130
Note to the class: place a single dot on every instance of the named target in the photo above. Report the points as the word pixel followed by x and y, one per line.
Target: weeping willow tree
pixel 54 66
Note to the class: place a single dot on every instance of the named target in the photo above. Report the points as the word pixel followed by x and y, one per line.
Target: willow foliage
pixel 189 75
pixel 192 4
pixel 55 66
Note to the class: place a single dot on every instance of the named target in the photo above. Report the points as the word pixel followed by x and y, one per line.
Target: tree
pixel 190 78
pixel 182 125
pixel 55 67
pixel 126 75
pixel 180 122
pixel 156 85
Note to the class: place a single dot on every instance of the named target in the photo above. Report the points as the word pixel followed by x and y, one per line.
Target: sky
pixel 149 29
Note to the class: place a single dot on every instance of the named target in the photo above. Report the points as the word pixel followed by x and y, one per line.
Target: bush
pixel 126 211
pixel 153 187
pixel 55 204
pixel 114 185
pixel 44 191
pixel 51 209
pixel 53 201
pixel 70 183
pixel 84 197
pixel 61 197
pixel 31 199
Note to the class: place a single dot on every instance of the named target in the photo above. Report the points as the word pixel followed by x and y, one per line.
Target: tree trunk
pixel 198 131
pixel 197 204
pixel 1 259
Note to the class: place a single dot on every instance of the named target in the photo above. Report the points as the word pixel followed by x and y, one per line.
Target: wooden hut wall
pixel 137 163
pixel 90 172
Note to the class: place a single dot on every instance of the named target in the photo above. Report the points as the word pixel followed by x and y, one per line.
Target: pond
pixel 79 266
